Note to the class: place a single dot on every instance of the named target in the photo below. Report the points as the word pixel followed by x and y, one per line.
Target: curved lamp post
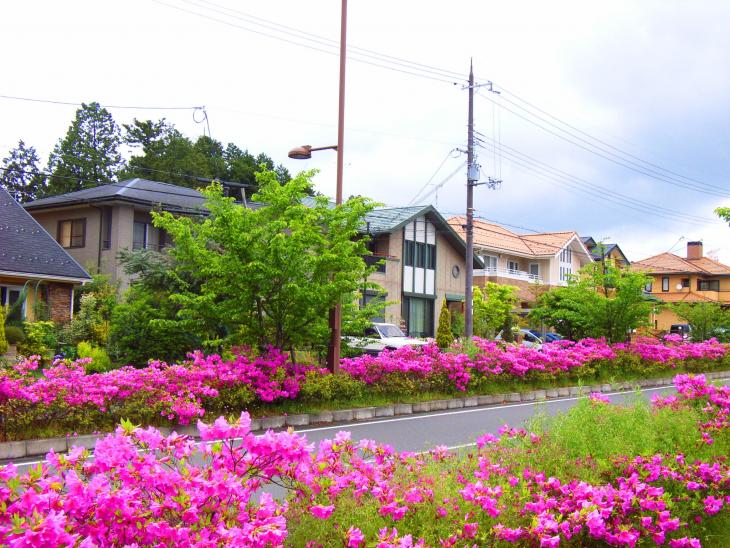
pixel 304 153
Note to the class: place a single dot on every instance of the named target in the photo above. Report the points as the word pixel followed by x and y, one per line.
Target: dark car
pixel 547 337
pixel 683 329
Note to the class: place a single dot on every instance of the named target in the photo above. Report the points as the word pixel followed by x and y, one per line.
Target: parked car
pixel 529 339
pixel 382 336
pixel 683 329
pixel 547 336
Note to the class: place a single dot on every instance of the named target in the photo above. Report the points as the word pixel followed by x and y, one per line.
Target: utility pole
pixel 472 176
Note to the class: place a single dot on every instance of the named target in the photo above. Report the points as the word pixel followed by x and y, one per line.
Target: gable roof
pixel 135 191
pixel 669 263
pixel 595 248
pixel 27 249
pixel 388 220
pixel 494 236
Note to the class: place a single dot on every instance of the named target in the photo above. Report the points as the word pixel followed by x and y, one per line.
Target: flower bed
pixel 523 486
pixel 64 399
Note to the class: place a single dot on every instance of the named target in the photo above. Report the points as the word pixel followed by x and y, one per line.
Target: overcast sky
pixel 643 85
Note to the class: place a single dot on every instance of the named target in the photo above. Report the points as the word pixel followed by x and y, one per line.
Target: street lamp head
pixel 301 153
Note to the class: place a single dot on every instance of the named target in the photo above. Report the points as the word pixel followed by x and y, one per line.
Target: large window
pixel 72 233
pixel 708 285
pixel 9 299
pixel 490 263
pixel 409 252
pixel 140 235
pixel 419 316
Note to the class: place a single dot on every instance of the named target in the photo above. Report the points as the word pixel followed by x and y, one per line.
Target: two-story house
pixel 37 276
pixel 527 261
pixel 691 279
pixel 94 224
pixel 605 251
pixel 424 264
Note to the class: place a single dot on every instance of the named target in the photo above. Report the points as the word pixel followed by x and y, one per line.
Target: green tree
pixel 493 308
pixel 88 155
pixel 3 339
pixel 723 213
pixel 444 337
pixel 270 275
pixel 602 301
pixel 20 174
pixel 704 318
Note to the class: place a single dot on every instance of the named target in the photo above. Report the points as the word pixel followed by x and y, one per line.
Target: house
pixel 691 279
pixel 34 269
pixel 423 265
pixel 94 224
pixel 530 262
pixel 602 251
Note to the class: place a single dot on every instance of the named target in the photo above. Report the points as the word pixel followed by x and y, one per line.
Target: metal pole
pixel 468 312
pixel 333 352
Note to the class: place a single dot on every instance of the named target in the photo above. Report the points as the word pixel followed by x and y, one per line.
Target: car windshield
pixel 387 330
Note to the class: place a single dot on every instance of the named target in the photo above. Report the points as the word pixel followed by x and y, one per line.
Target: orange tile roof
pixel 684 297
pixel 668 263
pixel 497 237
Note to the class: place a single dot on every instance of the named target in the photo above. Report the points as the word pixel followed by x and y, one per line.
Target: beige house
pixel 94 224
pixel 424 264
pixel 527 261
pixel 691 279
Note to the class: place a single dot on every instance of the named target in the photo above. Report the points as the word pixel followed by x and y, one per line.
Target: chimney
pixel 694 250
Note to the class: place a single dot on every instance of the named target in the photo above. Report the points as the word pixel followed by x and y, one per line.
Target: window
pixel 420 261
pixel 371 297
pixel 535 270
pixel 139 235
pixel 431 256
pixel 72 233
pixel 648 287
pixel 419 316
pixel 685 282
pixel 409 252
pixel 106 227
pixel 665 283
pixel 513 266
pixel 566 256
pixel 708 285
pixel 490 262
pixel 565 273
pixel 9 297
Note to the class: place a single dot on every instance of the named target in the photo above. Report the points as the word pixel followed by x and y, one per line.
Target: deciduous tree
pixel 703 318
pixel 493 305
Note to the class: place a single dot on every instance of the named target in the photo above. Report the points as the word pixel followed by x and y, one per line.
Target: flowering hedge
pixel 143 489
pixel 64 398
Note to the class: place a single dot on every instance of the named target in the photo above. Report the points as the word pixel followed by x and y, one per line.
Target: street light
pixel 304 153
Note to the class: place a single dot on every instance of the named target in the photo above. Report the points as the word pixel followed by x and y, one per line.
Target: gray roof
pixel 134 191
pixel 26 248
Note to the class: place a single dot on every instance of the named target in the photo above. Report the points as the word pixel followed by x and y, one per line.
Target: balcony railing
pixel 509 273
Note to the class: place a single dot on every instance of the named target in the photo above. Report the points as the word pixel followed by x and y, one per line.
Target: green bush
pixel 100 361
pixel 3 340
pixel 444 336
pixel 40 339
pixel 322 388
pixel 457 325
pixel 14 334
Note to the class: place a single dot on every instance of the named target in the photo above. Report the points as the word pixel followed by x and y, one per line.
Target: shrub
pixel 100 361
pixel 3 340
pixel 40 339
pixel 319 387
pixel 14 334
pixel 444 337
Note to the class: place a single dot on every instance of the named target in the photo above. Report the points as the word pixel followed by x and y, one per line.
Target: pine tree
pixel 89 154
pixel 444 337
pixel 20 174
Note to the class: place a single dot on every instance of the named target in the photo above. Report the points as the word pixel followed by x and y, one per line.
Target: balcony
pixel 371 260
pixel 510 274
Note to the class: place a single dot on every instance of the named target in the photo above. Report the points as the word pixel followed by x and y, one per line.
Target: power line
pixel 418 194
pixel 583 182
pixel 68 103
pixel 613 157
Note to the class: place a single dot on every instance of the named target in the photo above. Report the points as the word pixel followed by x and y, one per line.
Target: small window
pixel 139 236
pixel 490 263
pixel 648 287
pixel 665 283
pixel 409 252
pixel 535 270
pixel 106 227
pixel 431 256
pixel 420 260
pixel 513 266
pixel 72 233
pixel 685 282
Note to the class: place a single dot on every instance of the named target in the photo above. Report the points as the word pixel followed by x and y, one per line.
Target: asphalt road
pixel 455 428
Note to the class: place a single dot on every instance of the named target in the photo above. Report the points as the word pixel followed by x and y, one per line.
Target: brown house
pixel 691 279
pixel 37 276
pixel 94 224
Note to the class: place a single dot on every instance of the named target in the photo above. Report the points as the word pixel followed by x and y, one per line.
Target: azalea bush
pixel 524 486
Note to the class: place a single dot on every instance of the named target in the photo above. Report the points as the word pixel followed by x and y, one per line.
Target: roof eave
pixel 49 277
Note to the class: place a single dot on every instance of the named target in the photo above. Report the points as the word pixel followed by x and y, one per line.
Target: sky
pixel 611 118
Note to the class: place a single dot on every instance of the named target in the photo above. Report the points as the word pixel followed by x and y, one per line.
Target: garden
pixel 67 397
pixel 600 474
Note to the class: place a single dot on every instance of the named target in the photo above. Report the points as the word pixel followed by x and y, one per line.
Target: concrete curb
pixel 40 447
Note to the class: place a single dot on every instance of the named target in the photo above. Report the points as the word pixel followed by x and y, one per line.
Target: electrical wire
pixel 418 194
pixel 583 182
pixel 613 158
pixel 68 103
